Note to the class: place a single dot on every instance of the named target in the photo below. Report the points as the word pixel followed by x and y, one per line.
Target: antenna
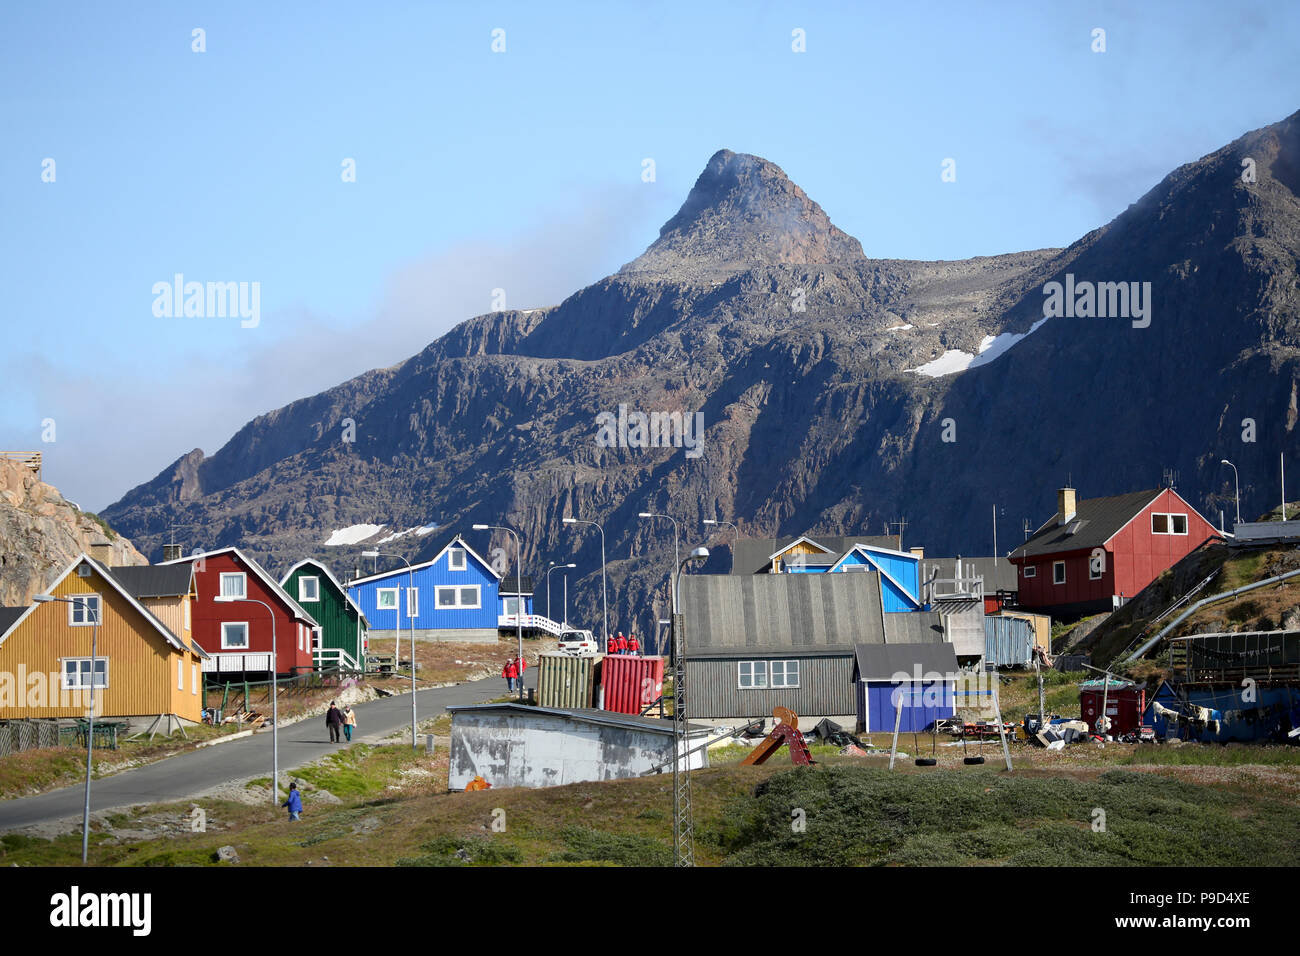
pixel 1028 530
pixel 902 525
pixel 1170 479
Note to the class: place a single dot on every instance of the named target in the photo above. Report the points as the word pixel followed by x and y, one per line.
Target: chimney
pixel 172 552
pixel 102 551
pixel 919 552
pixel 1065 506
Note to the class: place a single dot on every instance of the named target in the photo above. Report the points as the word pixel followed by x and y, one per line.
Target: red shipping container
pixel 632 683
pixel 1124 705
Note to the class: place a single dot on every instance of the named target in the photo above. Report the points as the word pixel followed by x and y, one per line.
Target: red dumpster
pixel 1125 702
pixel 632 683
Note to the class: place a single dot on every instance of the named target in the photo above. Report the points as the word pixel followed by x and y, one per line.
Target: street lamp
pixel 604 599
pixel 519 590
pixel 553 566
pixel 83 601
pixel 683 827
pixel 1237 483
pixel 735 533
pixel 275 686
pixel 410 592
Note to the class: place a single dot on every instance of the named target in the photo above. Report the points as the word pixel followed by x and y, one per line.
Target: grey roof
pixel 882 662
pixel 914 627
pixel 508 586
pixel 752 554
pixel 999 574
pixel 8 615
pixel 155 580
pixel 1095 522
pixel 754 613
pixel 589 715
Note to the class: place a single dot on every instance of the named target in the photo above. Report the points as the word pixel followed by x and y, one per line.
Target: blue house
pixel 900 577
pixel 457 596
pixel 913 684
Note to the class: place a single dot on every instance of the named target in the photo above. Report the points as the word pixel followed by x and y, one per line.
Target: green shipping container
pixel 568 681
pixel 340 642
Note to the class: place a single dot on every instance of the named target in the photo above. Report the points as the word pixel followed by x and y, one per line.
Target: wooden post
pixel 898 719
pixel 1002 730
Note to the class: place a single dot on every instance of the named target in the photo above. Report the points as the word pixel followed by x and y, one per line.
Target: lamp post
pixel 683 835
pixel 553 566
pixel 676 551
pixel 604 599
pixel 83 601
pixel 410 592
pixel 519 590
pixel 275 698
pixel 735 533
pixel 1237 483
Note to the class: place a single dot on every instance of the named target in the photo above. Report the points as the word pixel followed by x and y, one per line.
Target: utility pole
pixel 995 531
pixel 901 524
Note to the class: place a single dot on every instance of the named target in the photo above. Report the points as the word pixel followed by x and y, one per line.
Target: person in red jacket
pixel 633 646
pixel 620 644
pixel 522 666
pixel 510 672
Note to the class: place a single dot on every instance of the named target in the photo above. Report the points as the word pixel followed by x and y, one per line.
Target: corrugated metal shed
pixel 1008 641
pixel 567 680
pixel 825 686
pixel 631 683
pixel 918 627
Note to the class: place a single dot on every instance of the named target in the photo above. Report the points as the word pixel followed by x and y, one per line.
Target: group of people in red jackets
pixel 513 672
pixel 623 645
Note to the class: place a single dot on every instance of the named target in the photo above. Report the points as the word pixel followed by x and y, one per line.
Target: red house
pixel 237 633
pixel 1094 554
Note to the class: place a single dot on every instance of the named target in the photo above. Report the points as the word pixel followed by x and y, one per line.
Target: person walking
pixel 294 803
pixel 510 672
pixel 334 721
pixel 620 644
pixel 633 646
pixel 349 722
pixel 521 665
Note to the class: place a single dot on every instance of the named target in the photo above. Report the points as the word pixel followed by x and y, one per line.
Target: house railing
pixel 234 662
pixel 32 459
pixel 336 659
pixel 530 622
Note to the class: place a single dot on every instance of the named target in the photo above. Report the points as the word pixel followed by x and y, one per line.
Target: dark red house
pixel 237 633
pixel 1093 553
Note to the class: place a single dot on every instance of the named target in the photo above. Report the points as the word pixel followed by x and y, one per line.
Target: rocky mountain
pixel 41 532
pixel 837 393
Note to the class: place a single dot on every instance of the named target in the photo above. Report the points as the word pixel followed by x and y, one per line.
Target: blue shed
pixel 922 676
pixel 900 578
pixel 455 596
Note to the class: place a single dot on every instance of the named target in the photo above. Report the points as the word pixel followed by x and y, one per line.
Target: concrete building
pixel 517 745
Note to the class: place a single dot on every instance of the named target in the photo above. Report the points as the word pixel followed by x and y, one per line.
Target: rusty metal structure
pixel 786 732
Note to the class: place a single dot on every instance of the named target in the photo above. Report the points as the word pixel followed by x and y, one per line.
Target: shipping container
pixel 568 680
pixel 631 683
pixel 1008 642
pixel 1041 623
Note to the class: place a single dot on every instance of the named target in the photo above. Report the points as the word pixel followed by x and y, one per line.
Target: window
pixel 234 635
pixel 1095 566
pixel 188 625
pixel 180 675
pixel 300 629
pixel 752 675
pixel 412 602
pixel 449 598
pixel 512 606
pixel 194 679
pixel 387 599
pixel 1030 570
pixel 84 611
pixel 76 673
pixel 456 559
pixel 785 673
pixel 1168 523
pixel 1058 572
pixel 234 584
pixel 309 589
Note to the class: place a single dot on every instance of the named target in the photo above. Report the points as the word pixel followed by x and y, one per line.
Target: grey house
pixel 757 641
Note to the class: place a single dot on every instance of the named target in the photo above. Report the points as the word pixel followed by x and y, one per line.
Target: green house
pixel 340 641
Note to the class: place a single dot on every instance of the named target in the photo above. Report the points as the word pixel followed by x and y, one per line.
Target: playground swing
pixel 931 760
pixel 967 759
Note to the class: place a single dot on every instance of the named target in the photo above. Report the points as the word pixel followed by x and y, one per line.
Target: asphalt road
pixel 195 772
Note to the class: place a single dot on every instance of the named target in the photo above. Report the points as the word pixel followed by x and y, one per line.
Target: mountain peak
pixel 744 211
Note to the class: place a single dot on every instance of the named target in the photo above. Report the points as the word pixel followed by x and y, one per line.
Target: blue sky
pixel 521 170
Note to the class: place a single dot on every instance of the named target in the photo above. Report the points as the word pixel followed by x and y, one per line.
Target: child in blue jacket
pixel 294 803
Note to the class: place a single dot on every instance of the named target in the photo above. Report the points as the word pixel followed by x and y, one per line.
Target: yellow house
pixel 145 664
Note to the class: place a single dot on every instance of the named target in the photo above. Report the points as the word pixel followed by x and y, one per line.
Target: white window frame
pixel 180 674
pixel 80 684
pixel 243 584
pixel 227 646
pixel 1172 516
pixel 412 602
pixel 189 624
pixel 755 668
pixel 379 603
pixel 452 565
pixel 505 604
pixel 1029 571
pixel 315 580
pixel 1055 565
pixel 194 679
pixel 1093 573
pixel 456 590
pixel 84 603
pixel 785 673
